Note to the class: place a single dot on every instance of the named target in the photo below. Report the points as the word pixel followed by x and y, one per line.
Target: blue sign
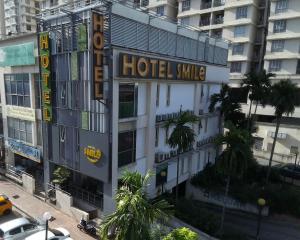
pixel 24 150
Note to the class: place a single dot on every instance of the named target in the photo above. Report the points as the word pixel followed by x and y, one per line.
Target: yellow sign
pixel 20 112
pixel 93 154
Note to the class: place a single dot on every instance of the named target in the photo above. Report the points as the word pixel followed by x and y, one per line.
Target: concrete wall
pixel 64 201
pixel 218 199
pixel 28 183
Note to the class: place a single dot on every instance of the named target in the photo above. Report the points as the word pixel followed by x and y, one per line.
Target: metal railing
pixel 219 3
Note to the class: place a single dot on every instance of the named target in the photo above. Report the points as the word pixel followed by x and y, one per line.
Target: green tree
pixel 61 175
pixel 182 136
pixel 284 97
pixel 134 213
pixel 258 84
pixel 182 234
pixel 229 108
pixel 235 158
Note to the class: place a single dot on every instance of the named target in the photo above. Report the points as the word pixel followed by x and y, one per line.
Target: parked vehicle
pixel 5 205
pixel 53 234
pixel 18 229
pixel 289 170
pixel 87 228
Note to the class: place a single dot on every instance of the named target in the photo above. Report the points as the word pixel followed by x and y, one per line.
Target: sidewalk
pixel 35 208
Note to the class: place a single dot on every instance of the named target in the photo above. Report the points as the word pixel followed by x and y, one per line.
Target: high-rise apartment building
pixel 2 25
pixel 18 16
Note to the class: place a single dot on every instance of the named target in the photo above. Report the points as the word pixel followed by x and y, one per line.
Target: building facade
pixel 18 16
pixel 105 100
pixel 20 102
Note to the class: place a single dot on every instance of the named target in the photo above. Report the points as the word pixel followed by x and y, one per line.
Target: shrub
pixel 182 234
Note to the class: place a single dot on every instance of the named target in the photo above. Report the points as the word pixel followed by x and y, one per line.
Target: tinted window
pixel 1 233
pixel 56 233
pixel 28 227
pixel 2 203
pixel 15 231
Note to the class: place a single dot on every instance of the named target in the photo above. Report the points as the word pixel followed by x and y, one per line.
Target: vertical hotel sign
pixel 45 75
pixel 97 56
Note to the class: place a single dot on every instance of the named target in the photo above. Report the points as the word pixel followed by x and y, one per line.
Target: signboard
pixel 134 66
pixel 17 55
pixel 92 154
pixel 44 46
pixel 20 112
pixel 24 150
pixel 97 54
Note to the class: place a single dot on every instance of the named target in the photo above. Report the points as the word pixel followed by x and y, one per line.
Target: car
pixel 18 229
pixel 53 234
pixel 5 205
pixel 288 170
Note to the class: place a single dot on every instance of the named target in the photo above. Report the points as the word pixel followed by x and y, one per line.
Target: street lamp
pixel 46 217
pixel 260 203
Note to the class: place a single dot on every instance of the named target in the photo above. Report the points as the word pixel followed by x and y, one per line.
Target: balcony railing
pixel 277 157
pixel 219 3
pixel 219 20
pixel 205 22
pixel 206 5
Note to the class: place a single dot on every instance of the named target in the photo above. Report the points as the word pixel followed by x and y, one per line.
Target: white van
pixel 18 228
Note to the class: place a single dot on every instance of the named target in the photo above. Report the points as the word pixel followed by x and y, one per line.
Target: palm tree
pixel 135 213
pixel 235 158
pixel 258 84
pixel 182 136
pixel 283 97
pixel 230 109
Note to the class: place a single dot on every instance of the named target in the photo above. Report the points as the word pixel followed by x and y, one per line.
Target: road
pixel 26 204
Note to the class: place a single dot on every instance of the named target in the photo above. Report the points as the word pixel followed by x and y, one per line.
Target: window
pixel 15 231
pixel 201 93
pixel 275 66
pixel 239 31
pixel 168 95
pixel 39 132
pixel 167 135
pixel 17 89
pixel 28 18
pixel 28 27
pixel 236 67
pixel 27 2
pixel 279 26
pixel 28 227
pixel 185 21
pixel 157 94
pixel 20 129
pixel 27 9
pixel 281 6
pixel 156 136
pixel 241 12
pixel 127 100
pixel 298 67
pixel 205 126
pixel 238 49
pixel 126 150
pixel 277 46
pixel 160 10
pixel 37 90
pixel 186 5
pixel 161 174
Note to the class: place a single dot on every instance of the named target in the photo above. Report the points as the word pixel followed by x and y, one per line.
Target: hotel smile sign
pixel 134 66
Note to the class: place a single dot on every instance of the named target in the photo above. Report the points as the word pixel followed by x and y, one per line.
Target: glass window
pixel 185 21
pixel 37 91
pixel 15 231
pixel 20 129
pixel 238 49
pixel 277 46
pixel 279 26
pixel 156 136
pixel 161 174
pixel 127 103
pixel 168 95
pixel 160 10
pixel 17 89
pixel 281 6
pixel 275 66
pixel 236 67
pixel 157 94
pixel 241 12
pixel 186 5
pixel 298 67
pixel 126 150
pixel 28 227
pixel 239 31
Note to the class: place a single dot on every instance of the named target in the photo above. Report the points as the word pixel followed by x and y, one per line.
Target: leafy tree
pixel 182 234
pixel 283 97
pixel 230 108
pixel 259 86
pixel 134 213
pixel 235 158
pixel 182 136
pixel 61 175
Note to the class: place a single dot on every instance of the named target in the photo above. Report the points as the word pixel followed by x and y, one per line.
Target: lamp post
pixel 46 217
pixel 260 203
pixel 163 174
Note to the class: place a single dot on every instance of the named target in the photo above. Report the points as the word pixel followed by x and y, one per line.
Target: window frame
pixel 279 26
pixel 281 6
pixel 277 45
pixel 239 33
pixel 238 49
pixel 274 68
pixel 237 69
pixel 241 12
pixel 186 5
pixel 160 10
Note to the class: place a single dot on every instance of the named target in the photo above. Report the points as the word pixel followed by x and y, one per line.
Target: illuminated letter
pixel 44 43
pixel 98 22
pixel 143 72
pixel 45 61
pixel 179 71
pixel 98 40
pixel 153 69
pixel 162 69
pixel 170 74
pixel 186 71
pixel 129 65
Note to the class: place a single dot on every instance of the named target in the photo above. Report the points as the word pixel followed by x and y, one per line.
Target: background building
pixel 20 100
pixel 18 16
pixel 97 139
